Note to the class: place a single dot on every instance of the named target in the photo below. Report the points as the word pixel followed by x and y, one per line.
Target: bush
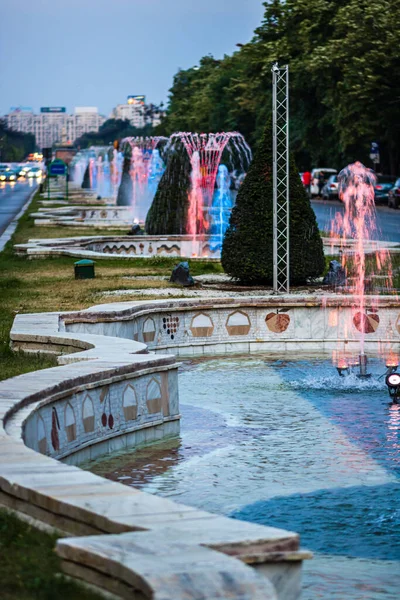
pixel 125 190
pixel 169 209
pixel 247 252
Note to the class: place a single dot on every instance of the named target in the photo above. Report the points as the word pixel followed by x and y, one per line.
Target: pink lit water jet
pixel 141 150
pixel 356 229
pixel 205 152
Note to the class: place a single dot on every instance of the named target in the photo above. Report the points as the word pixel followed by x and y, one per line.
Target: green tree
pixel 248 244
pixel 344 89
pixel 169 209
pixel 111 130
pixel 15 145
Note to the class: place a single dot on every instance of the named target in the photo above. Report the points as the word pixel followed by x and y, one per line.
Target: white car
pixel 315 178
pixel 35 172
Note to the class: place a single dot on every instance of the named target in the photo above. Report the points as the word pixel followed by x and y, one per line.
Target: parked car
pixel 316 176
pixel 394 195
pixel 330 189
pixel 383 185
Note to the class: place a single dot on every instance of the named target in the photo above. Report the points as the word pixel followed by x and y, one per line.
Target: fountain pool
pixel 289 444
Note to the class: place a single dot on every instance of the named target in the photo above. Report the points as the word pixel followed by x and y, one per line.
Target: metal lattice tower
pixel 280 151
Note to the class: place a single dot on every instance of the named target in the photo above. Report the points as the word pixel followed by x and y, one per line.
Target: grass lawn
pixel 29 567
pixel 41 285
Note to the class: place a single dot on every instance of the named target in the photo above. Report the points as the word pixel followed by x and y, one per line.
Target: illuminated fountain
pixel 103 183
pixel 356 229
pixel 221 207
pixel 155 172
pixel 78 167
pixel 145 167
pixel 205 151
pixel 116 172
pixel 93 172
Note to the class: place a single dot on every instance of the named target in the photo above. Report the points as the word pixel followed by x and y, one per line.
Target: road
pixel 388 219
pixel 13 196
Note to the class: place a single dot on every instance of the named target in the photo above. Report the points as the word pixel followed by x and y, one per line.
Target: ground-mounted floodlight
pixel 357 364
pixel 343 367
pixel 393 383
pixel 392 363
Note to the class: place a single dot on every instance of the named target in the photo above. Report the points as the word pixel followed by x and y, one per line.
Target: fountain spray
pixel 357 228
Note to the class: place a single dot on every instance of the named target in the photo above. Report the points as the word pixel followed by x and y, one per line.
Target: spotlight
pixel 343 371
pixel 343 368
pixel 392 363
pixel 393 382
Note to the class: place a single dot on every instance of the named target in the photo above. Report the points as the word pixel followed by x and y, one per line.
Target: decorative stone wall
pixel 85 216
pixel 124 246
pixel 191 327
pixel 109 389
pixel 130 246
pixel 114 412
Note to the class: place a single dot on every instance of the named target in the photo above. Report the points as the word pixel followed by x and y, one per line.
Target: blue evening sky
pixel 96 52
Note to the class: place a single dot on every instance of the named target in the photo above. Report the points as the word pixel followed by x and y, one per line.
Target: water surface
pixel 289 444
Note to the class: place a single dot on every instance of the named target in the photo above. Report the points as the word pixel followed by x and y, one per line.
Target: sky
pixel 97 52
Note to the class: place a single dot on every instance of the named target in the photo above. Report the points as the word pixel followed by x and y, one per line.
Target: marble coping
pixel 186 549
pixel 292 323
pixel 176 246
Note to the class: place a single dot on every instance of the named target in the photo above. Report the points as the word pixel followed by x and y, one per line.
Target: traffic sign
pixel 57 167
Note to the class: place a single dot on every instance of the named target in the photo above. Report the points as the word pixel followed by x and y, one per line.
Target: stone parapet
pixel 109 393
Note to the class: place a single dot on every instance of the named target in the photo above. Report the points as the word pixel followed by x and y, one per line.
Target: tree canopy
pixel 15 145
pixel 111 130
pixel 344 84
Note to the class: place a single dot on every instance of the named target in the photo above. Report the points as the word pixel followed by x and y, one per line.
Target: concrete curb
pixel 11 227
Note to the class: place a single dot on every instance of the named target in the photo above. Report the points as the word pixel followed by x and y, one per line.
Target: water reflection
pixel 290 444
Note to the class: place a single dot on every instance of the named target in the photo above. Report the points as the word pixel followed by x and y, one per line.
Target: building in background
pixel 137 112
pixel 85 120
pixel 133 111
pixel 53 124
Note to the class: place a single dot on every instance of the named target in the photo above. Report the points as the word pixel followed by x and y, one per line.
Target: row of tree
pixel 111 130
pixel 344 84
pixel 248 243
pixel 14 145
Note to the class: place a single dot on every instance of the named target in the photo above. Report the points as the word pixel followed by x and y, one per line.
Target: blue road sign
pixel 58 168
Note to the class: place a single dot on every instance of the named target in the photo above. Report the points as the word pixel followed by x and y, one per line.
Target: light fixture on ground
pixel 393 383
pixel 356 364
pixel 343 368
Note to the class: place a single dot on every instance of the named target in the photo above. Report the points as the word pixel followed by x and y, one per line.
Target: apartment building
pixel 53 124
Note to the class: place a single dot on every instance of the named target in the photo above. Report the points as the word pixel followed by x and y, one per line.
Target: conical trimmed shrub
pixel 125 190
pixel 247 252
pixel 86 179
pixel 169 210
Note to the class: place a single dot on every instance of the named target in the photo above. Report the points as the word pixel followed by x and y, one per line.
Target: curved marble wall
pixel 110 388
pixel 270 324
pixel 110 415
